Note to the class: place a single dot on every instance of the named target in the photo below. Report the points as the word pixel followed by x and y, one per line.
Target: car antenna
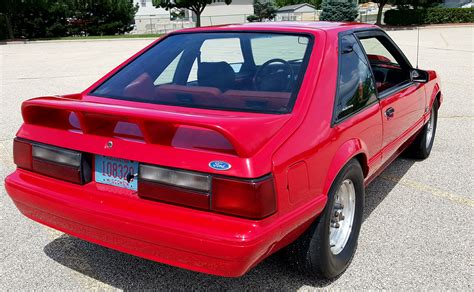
pixel 417 46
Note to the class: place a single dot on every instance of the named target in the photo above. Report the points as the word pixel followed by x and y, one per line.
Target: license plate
pixel 114 172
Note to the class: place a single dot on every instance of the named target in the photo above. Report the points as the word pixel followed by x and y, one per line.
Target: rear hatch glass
pixel 239 71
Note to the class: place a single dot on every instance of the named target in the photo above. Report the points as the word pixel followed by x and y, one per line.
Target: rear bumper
pixel 183 237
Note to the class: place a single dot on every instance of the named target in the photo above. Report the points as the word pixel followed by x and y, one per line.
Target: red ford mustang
pixel 213 148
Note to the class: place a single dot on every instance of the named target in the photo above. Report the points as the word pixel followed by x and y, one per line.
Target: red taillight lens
pixel 22 156
pixel 63 164
pixel 62 172
pixel 253 199
pixel 248 198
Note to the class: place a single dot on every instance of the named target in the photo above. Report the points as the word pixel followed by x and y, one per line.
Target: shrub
pixel 339 11
pixel 452 15
pixel 429 16
pixel 3 28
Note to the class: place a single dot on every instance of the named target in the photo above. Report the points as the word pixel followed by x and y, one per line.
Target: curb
pixel 25 42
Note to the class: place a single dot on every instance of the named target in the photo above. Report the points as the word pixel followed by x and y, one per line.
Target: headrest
pixel 216 74
pixel 141 87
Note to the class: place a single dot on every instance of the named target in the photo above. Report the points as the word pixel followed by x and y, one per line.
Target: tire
pixel 421 146
pixel 312 253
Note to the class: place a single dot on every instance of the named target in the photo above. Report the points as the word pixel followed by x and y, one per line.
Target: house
pixel 148 18
pixel 297 12
pixel 218 12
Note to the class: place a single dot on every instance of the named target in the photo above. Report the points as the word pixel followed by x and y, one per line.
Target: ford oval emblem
pixel 219 165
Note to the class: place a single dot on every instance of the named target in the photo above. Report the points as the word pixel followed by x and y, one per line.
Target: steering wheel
pixel 274 78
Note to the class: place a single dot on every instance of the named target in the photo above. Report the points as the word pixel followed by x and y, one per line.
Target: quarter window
pixel 168 74
pixel 356 87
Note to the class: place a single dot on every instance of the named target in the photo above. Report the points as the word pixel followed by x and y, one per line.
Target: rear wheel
pixel 423 143
pixel 327 247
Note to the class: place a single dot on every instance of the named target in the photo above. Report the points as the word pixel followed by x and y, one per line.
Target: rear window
pixel 256 72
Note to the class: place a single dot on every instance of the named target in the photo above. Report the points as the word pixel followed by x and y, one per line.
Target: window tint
pixel 288 48
pixel 213 70
pixel 217 50
pixel 167 75
pixel 356 88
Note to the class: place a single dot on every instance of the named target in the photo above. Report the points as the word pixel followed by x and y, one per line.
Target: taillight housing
pixel 64 164
pixel 253 199
pixel 247 198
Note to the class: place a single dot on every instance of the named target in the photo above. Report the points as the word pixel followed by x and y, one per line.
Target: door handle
pixel 389 112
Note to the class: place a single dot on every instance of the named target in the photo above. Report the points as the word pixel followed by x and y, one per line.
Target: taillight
pixel 174 186
pixel 60 163
pixel 253 199
pixel 244 198
pixel 22 154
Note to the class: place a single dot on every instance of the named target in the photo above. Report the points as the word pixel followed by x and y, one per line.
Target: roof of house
pixel 294 7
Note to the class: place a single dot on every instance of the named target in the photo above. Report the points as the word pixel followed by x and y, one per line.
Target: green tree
pixel 262 11
pixel 381 4
pixel 102 17
pixel 403 4
pixel 53 18
pixel 416 4
pixel 333 10
pixel 315 3
pixel 35 18
pixel 7 9
pixel 196 6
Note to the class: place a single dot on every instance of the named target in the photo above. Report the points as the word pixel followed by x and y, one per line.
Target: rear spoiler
pixel 246 132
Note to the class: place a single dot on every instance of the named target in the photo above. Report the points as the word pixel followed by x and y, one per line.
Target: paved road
pixel 418 224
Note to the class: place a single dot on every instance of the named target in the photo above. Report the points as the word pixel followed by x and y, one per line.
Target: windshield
pixel 257 72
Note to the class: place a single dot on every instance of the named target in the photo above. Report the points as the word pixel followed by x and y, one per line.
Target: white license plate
pixel 114 172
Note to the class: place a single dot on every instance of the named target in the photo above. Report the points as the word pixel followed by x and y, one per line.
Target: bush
pixel 452 15
pixel 338 11
pixel 429 16
pixel 3 28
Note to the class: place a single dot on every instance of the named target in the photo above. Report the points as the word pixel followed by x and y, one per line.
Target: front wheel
pixel 327 247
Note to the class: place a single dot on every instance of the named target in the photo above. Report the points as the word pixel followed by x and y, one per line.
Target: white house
pixel 297 12
pixel 220 13
pixel 148 18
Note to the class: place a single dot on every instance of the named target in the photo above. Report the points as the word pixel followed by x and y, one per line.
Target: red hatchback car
pixel 213 148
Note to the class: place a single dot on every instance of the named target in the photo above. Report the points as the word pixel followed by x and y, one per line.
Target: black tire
pixel 311 253
pixel 420 148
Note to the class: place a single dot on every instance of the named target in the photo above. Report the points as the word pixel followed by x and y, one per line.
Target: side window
pixel 356 87
pixel 387 70
pixel 377 52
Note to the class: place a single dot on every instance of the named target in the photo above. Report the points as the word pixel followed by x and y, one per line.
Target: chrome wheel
pixel 430 129
pixel 342 216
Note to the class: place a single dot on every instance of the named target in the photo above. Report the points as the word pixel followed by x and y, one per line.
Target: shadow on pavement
pixel 127 272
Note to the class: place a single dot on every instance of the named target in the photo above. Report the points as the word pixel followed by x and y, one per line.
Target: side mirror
pixel 419 76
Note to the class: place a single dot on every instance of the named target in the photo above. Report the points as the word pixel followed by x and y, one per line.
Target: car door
pixel 402 101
